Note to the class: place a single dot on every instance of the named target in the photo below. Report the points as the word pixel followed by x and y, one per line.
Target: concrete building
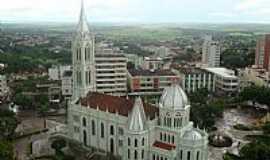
pixel 226 82
pixel 135 59
pixel 4 89
pixel 211 53
pixel 262 57
pixel 66 84
pixel 147 82
pixel 56 72
pixel 152 63
pixel 254 76
pixel 111 71
pixel 193 79
pixel 134 130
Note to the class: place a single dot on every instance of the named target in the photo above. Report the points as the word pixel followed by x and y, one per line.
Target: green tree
pixel 266 128
pixel 8 124
pixel 256 150
pixel 58 145
pixel 6 150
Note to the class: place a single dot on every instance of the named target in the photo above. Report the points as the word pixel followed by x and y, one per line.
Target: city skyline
pixel 131 11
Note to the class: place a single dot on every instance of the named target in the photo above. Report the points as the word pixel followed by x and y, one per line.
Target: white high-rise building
pixel 211 52
pixel 83 59
pixel 111 70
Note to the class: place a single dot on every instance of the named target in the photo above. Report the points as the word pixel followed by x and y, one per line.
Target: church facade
pixel 124 127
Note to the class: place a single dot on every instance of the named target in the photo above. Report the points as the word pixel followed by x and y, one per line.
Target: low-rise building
pixel 193 79
pixel 150 82
pixel 4 89
pixel 226 82
pixel 56 72
pixel 66 84
pixel 152 63
pixel 254 76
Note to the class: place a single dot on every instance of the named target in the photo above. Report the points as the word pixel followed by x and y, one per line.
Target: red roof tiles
pixel 163 145
pixel 115 104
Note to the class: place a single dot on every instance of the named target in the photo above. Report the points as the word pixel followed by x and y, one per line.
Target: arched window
pixel 84 138
pixel 93 128
pixel 160 136
pixel 173 139
pixel 128 141
pixel 135 154
pixel 161 158
pixel 142 141
pixel 157 157
pixel 102 130
pixel 181 154
pixel 153 157
pixel 136 142
pixel 128 154
pixel 188 155
pixel 112 130
pixel 198 155
pixel 84 121
pixel 112 146
pixel 142 154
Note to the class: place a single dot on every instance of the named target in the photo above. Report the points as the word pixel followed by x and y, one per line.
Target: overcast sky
pixel 173 11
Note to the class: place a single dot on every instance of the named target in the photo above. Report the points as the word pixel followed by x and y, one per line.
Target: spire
pixel 83 25
pixel 137 117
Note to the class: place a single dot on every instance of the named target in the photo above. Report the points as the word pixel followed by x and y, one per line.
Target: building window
pixel 169 138
pixel 188 155
pixel 102 130
pixel 135 154
pixel 160 136
pixel 142 154
pixel 128 154
pixel 165 137
pixel 142 141
pixel 136 142
pixel 181 154
pixel 112 130
pixel 153 157
pixel 198 155
pixel 128 141
pixel 172 139
pixel 93 128
pixel 84 122
pixel 84 138
pixel 112 146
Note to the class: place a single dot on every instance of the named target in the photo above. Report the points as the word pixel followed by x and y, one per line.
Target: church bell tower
pixel 83 58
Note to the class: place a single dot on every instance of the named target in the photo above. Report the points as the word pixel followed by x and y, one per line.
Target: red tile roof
pixel 115 104
pixel 163 145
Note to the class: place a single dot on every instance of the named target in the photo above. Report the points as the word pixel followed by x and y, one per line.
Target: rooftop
pixel 191 70
pixel 142 72
pixel 224 72
pixel 114 104
pixel 165 146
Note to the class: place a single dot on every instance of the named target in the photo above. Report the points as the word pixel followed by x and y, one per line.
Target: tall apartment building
pixel 262 58
pixel 111 71
pixel 211 52
pixel 193 79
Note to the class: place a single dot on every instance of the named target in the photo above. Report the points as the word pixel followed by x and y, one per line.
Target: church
pixel 128 128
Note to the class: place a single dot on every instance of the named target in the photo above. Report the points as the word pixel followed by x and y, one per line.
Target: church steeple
pixel 83 58
pixel 83 25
